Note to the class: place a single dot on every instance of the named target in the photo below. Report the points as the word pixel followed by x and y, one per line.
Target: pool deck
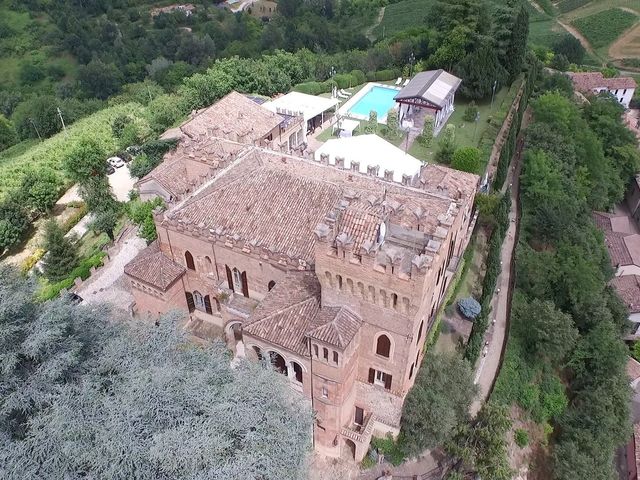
pixel 344 109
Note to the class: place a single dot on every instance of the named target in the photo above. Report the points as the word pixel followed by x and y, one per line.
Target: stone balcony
pixel 240 305
pixel 360 433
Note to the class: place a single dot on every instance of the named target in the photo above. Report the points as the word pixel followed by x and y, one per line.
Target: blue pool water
pixel 379 99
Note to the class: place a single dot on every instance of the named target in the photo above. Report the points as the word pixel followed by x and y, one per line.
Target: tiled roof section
pixel 586 82
pixel 234 117
pixel 191 163
pixel 153 267
pixel 358 225
pixel 618 251
pixel 603 221
pixel 268 208
pixel 336 326
pixel 628 288
pixel 286 313
pixel 446 181
pixel 433 86
pixel 633 369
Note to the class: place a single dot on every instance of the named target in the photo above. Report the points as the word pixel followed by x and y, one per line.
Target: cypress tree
pixel 61 257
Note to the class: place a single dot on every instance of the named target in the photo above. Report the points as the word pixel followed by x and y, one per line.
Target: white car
pixel 115 162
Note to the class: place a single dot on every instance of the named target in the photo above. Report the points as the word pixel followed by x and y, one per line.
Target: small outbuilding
pixel 315 110
pixel 428 93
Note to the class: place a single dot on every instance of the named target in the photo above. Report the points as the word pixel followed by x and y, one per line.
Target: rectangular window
pixel 379 378
pixel 335 357
pixel 359 416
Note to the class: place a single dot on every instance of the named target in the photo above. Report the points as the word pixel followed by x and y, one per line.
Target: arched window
pixel 335 357
pixel 297 371
pixel 237 280
pixel 207 304
pixel 411 371
pixel 190 303
pixel 279 364
pixel 188 258
pixel 271 285
pixel 198 300
pixel 383 346
pixel 350 286
pixel 325 354
pixel 394 300
pixel 257 352
pixel 420 331
pixel 208 264
pixel 339 278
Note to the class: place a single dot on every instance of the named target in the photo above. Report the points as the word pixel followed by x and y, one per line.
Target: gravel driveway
pixel 108 284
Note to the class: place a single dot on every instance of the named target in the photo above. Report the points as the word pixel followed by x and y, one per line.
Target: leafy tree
pixel 482 445
pixel 141 213
pixel 486 205
pixel 38 191
pixel 119 124
pixel 438 402
pixel 31 73
pixel 426 137
pixel 142 165
pixel 551 332
pixel 202 89
pixel 85 161
pixel 14 222
pixel 37 115
pixel 84 386
pixel 164 111
pixel 479 72
pixel 106 219
pixel 96 193
pixel 560 62
pixel 466 159
pixel 140 92
pixel 570 47
pixel 61 255
pixel 391 129
pixel 98 79
pixel 469 307
pixel 8 135
pixel 371 125
pixel 557 82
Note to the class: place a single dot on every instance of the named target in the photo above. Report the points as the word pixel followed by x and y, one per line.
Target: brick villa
pixel 333 274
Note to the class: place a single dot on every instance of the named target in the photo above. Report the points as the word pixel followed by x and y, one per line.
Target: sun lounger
pixel 399 81
pixel 341 95
pixel 345 93
pixel 406 82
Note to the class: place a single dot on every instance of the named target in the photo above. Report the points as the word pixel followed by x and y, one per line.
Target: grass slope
pixel 402 15
pixel 604 27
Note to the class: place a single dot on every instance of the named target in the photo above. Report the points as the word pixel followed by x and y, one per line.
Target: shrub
pixel 466 159
pixel 390 448
pixel 61 255
pixel 426 137
pixel 72 221
pixel 521 437
pixel 469 307
pixel 391 129
pixel 447 145
pixel 470 112
pixel 371 125
pixel 14 222
pixel 82 271
pixel 32 259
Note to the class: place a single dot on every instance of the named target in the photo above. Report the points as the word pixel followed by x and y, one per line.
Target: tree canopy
pixel 87 393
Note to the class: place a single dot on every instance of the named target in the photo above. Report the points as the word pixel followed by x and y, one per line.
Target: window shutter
pixel 229 277
pixel 245 285
pixel 207 304
pixel 387 381
pixel 190 303
pixel 372 375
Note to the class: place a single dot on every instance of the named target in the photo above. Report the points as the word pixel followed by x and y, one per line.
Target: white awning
pixel 348 125
pixel 296 103
pixel 371 150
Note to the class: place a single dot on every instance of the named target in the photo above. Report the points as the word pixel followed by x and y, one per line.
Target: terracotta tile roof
pixel 192 163
pixel 603 221
pixel 633 369
pixel 586 82
pixel 628 288
pixel 153 267
pixel 359 225
pixel 449 182
pixel 234 117
pixel 335 325
pixel 268 208
pixel 618 251
pixel 286 313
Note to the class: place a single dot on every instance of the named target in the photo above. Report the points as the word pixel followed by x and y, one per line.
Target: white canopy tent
pixel 346 126
pixel 370 150
pixel 296 103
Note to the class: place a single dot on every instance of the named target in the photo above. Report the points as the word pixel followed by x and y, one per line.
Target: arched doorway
pixel 257 352
pixel 350 449
pixel 279 363
pixel 297 371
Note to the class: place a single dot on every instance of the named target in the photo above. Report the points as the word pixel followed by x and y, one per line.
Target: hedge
pixel 315 88
pixel 493 270
pixel 52 290
pixel 383 75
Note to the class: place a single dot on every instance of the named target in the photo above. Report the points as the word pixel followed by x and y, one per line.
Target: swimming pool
pixel 377 98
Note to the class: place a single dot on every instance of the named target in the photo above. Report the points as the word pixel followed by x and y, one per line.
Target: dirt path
pixel 585 43
pixel 369 31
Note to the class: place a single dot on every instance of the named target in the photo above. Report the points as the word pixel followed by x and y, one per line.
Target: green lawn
pixel 468 134
pixel 545 32
pixel 602 28
pixel 402 15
